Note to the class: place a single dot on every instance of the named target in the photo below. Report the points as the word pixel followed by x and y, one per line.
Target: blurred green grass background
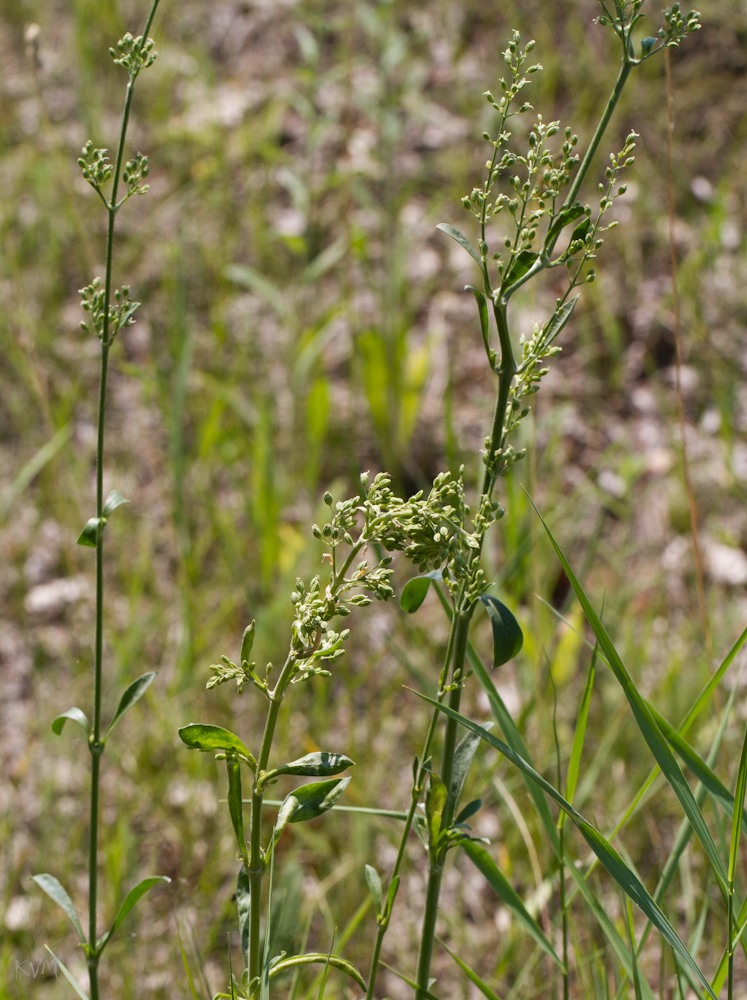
pixel 303 321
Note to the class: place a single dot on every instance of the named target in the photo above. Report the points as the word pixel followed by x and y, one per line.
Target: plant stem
pixel 96 747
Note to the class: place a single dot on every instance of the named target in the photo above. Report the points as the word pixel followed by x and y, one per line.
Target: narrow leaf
pixel 89 536
pixel 130 696
pixel 736 822
pixel 205 737
pixel 498 882
pixel 471 974
pixel 482 307
pixel 435 803
pixel 411 982
pixel 556 323
pixel 519 267
pixel 373 880
pixel 235 804
pixel 315 958
pixel 50 885
pixel 649 730
pixel 564 218
pixel 68 975
pixel 130 900
pixel 461 239
pixel 76 715
pixel 415 590
pixel 391 894
pixel 507 635
pixel 469 810
pixel 244 905
pixel 247 641
pixel 574 765
pixel 114 500
pixel 463 757
pixel 606 853
pixel 310 801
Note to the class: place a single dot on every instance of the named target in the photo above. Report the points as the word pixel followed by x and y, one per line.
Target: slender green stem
pixel 96 747
pixel 417 789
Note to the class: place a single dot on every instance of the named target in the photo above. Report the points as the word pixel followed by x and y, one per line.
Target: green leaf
pixel 309 801
pixel 130 696
pixel 313 958
pixel 373 880
pixel 68 975
pixel 114 500
pixel 89 536
pixel 247 641
pixel 564 218
pixel 461 239
pixel 463 757
pixel 471 974
pixel 574 764
pixel 415 590
pixel 76 715
pixel 557 321
pixel 736 822
pixel 318 763
pixel 645 720
pixel 519 266
pixel 132 897
pixel 479 856
pixel 507 635
pixel 435 803
pixel 205 737
pixel 235 804
pixel 469 810
pixel 579 233
pixel 606 853
pixel 50 885
pixel 244 906
pixel 647 44
pixel 411 982
pixel 482 306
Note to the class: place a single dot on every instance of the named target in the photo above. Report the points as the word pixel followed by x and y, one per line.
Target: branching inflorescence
pixel 534 189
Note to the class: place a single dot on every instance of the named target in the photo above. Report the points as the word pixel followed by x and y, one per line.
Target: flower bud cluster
pixel 94 163
pixel 121 311
pixel 134 54
pixel 134 173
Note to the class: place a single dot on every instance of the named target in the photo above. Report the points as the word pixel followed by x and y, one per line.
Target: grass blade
pixel 471 974
pixel 574 765
pixel 606 853
pixel 505 891
pixel 649 730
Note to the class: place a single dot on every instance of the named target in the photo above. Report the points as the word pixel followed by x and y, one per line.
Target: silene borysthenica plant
pixel 110 311
pixel 535 193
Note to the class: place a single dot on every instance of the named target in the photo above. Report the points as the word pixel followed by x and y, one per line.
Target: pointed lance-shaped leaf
pixel 556 323
pixel 564 218
pixel 482 307
pixel 132 897
pixel 132 694
pixel 75 714
pixel 247 641
pixel 55 891
pixel 507 635
pixel 461 239
pixel 68 975
pixel 373 881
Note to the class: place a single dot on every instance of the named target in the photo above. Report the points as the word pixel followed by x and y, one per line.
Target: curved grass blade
pixel 649 730
pixel 505 891
pixel 606 853
pixel 56 892
pixel 574 765
pixel 314 958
